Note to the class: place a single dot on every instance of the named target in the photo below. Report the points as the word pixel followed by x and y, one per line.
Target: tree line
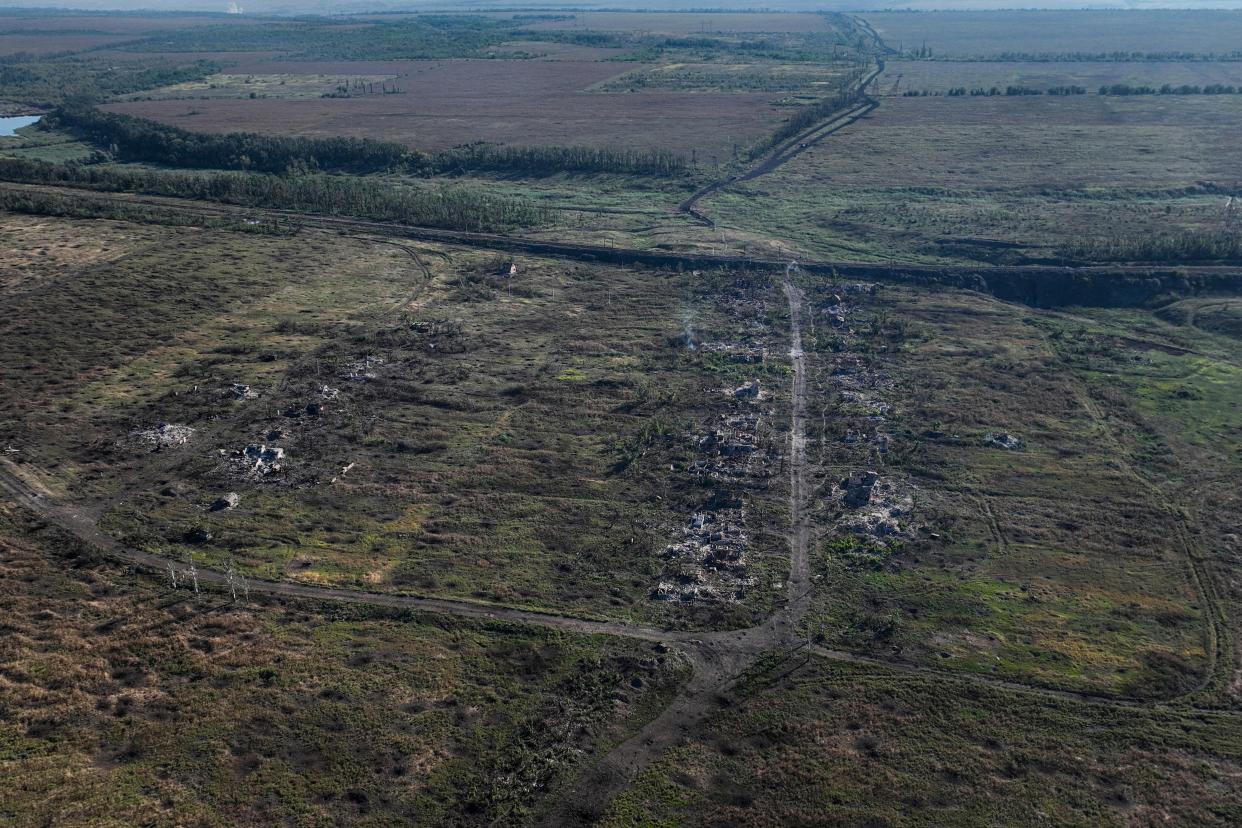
pixel 993 91
pixel 137 139
pixel 1181 246
pixel 46 83
pixel 1169 89
pixel 543 160
pixel 131 139
pixel 809 115
pixel 1078 57
pixel 74 206
pixel 448 207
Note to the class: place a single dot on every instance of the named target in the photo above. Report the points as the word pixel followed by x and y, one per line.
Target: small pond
pixel 10 126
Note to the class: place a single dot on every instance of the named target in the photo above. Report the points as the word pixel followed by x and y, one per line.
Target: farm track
pixel 718 659
pixel 786 151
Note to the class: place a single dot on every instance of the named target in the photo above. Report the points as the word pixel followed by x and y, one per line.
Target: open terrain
pixel 982 34
pixel 722 437
pixel 980 178
pixel 444 103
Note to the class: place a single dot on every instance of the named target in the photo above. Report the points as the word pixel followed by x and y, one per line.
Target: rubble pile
pixel 1003 439
pixel 360 370
pixel 877 506
pixel 258 460
pixel 164 435
pixel 707 558
pixel 222 504
pixel 869 502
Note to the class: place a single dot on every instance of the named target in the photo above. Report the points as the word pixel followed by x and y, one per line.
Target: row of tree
pixel 41 203
pixel 1169 89
pixel 131 139
pixel 544 160
pixel 1182 246
pixel 809 115
pixel 137 139
pixel 1010 91
pixel 449 207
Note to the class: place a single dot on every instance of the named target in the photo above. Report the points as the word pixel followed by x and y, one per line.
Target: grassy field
pixel 1021 568
pixel 126 703
pixel 941 76
pixel 802 742
pixel 996 179
pixel 982 34
pixel 495 452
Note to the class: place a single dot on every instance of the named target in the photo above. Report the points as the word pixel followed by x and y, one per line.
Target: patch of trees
pixel 1169 89
pixel 844 42
pixel 809 115
pixel 425 37
pixel 992 91
pixel 127 138
pixel 138 139
pixel 1180 246
pixel 539 160
pixel 49 83
pixel 449 207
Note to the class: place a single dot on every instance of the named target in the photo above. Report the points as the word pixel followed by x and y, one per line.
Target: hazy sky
pixel 294 6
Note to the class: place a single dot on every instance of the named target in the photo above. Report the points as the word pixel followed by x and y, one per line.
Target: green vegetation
pixel 137 139
pixel 454 207
pixel 804 741
pixel 1185 246
pixel 310 519
pixel 293 712
pixel 426 37
pixel 140 140
pixel 49 83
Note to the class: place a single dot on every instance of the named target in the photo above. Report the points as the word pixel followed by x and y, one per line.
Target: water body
pixel 10 126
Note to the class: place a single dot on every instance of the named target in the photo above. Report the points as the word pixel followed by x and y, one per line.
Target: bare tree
pixel 192 571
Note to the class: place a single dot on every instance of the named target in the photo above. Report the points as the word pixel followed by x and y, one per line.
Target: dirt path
pixel 717 659
pixel 1218 634
pixel 1221 278
pixel 786 151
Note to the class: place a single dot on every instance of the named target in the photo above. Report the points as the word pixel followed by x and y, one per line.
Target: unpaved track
pixel 787 151
pixel 82 526
pixel 1223 277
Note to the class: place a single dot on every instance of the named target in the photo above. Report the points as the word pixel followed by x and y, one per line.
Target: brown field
pixel 937 76
pixel 689 22
pixel 43 44
pixel 445 103
pixel 223 58
pixel 990 33
pixel 34 252
pixel 121 24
